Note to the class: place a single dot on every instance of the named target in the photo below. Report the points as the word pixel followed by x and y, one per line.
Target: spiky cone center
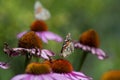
pixel 111 75
pixel 39 25
pixel 38 68
pixel 62 66
pixel 90 38
pixel 30 40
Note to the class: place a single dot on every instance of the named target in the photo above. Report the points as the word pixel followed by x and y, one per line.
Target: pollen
pixel 38 68
pixel 111 75
pixel 90 38
pixel 62 66
pixel 30 40
pixel 39 25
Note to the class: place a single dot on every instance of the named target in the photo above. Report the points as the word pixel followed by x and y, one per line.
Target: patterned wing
pixel 67 47
pixel 40 12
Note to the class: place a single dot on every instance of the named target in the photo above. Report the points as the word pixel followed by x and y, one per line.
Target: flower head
pixel 90 38
pixel 39 71
pixel 37 68
pixel 38 25
pixel 89 41
pixel 65 68
pixel 41 29
pixel 30 40
pixel 111 75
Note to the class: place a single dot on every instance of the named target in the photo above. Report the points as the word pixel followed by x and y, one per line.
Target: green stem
pixel 83 58
pixel 27 59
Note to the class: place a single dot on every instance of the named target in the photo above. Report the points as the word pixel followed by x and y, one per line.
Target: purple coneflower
pixel 41 30
pixel 39 71
pixel 29 43
pixel 64 68
pixel 89 42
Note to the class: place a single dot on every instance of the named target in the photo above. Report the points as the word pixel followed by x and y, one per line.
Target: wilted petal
pixel 21 34
pixel 101 54
pixel 93 50
pixel 46 53
pixel 4 65
pixel 78 45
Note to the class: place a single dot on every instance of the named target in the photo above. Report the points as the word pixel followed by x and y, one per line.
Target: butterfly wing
pixel 40 12
pixel 67 47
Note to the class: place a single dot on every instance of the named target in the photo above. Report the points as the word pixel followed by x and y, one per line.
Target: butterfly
pixel 40 12
pixel 68 46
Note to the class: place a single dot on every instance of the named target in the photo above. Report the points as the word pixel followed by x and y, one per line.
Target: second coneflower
pixel 89 42
pixel 39 71
pixel 64 68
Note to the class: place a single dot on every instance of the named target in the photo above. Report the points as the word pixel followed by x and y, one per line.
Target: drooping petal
pixel 46 54
pixel 4 65
pixel 96 51
pixel 21 77
pixel 81 76
pixel 21 34
pixel 101 54
pixel 42 36
pixel 52 36
pixel 78 45
pixel 47 35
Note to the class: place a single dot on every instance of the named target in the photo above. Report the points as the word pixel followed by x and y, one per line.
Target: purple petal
pixel 78 45
pixel 21 77
pixel 4 65
pixel 46 77
pixel 46 54
pixel 93 50
pixel 42 36
pixel 101 54
pixel 21 34
pixel 46 35
pixel 81 76
pixel 72 77
pixel 59 77
pixel 52 36
pixel 96 51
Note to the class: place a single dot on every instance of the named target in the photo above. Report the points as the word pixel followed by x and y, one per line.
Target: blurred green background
pixel 74 16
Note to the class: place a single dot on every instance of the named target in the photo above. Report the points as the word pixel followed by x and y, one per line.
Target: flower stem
pixel 82 60
pixel 27 59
